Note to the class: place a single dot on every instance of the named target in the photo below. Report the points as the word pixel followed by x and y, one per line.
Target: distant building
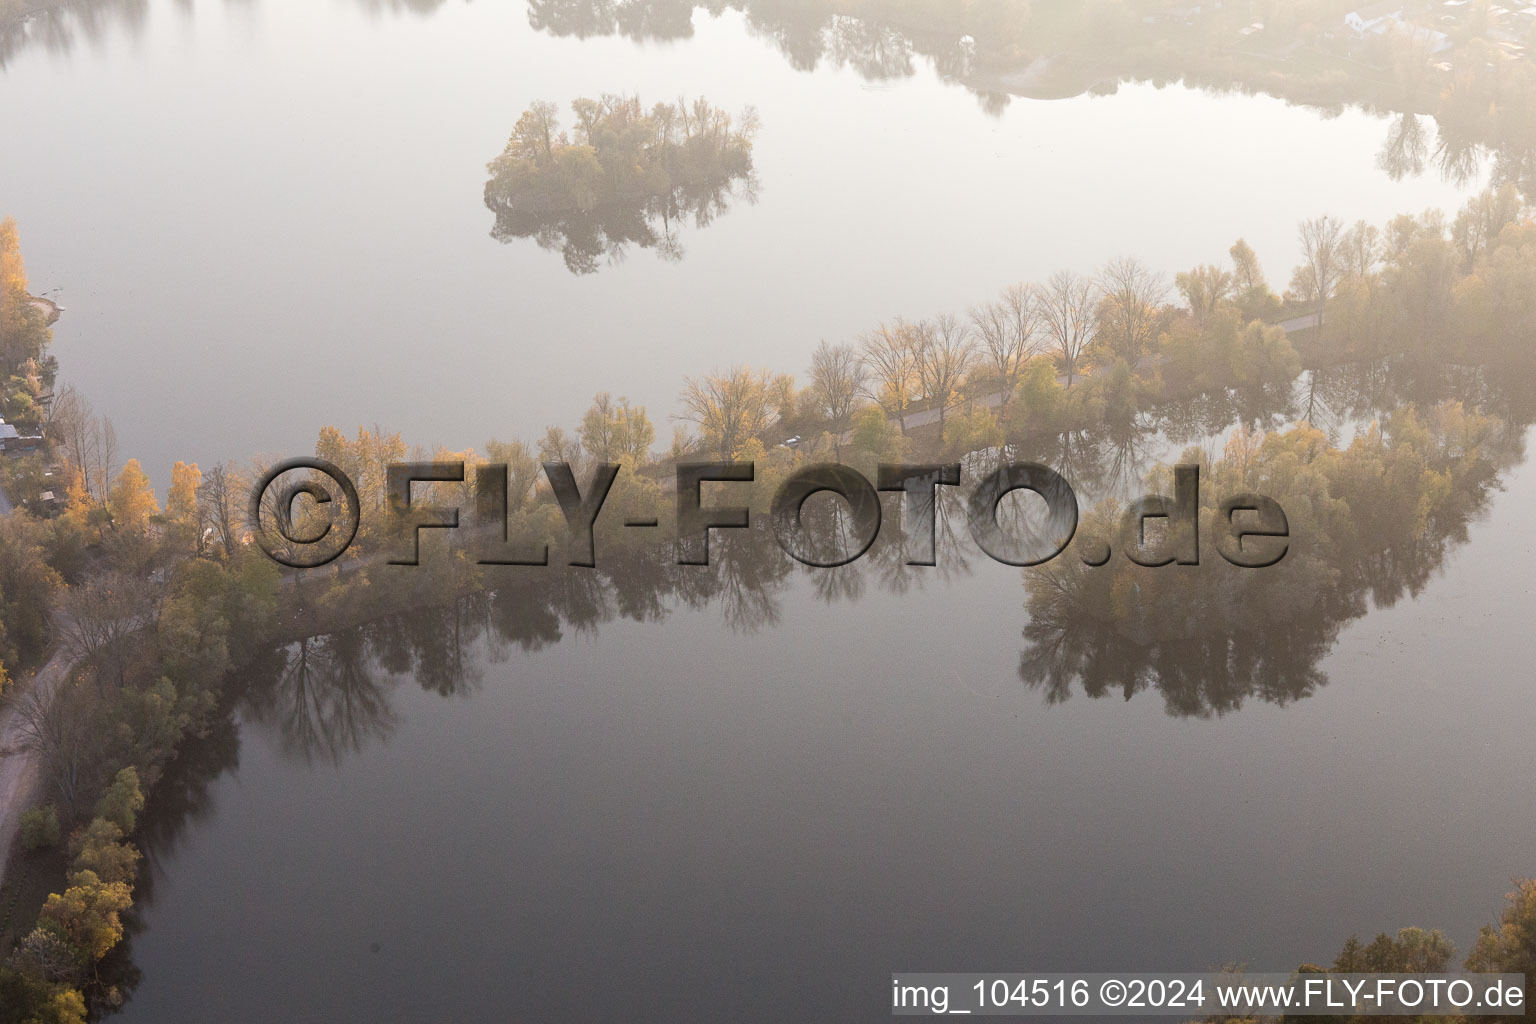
pixel 1432 40
pixel 1182 14
pixel 13 442
pixel 1377 19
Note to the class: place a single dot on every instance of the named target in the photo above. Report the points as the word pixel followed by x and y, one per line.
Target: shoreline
pixel 51 310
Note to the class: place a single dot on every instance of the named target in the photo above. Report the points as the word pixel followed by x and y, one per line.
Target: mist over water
pixel 300 185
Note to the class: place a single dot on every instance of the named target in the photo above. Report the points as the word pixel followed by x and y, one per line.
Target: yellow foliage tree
pixel 181 501
pixel 132 500
pixel 78 504
pixel 89 912
pixel 24 330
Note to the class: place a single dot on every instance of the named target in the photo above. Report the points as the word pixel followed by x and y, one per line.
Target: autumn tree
pixel 615 431
pixel 122 801
pixel 1205 289
pixel 1247 274
pixel 536 132
pixel 623 175
pixel 1481 220
pixel 27 587
pixel 558 446
pixel 100 848
pixel 1410 951
pixel 729 409
pixel 132 499
pixel 24 332
pixel 874 437
pixel 1360 250
pixel 181 502
pixel 1509 946
pixel 89 912
pixel 365 458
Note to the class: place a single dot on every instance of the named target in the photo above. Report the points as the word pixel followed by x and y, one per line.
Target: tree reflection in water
pixel 1375 505
pixel 623 176
pixel 1415 452
pixel 1482 118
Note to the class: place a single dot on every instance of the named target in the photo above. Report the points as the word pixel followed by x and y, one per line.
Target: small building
pixel 13 442
pixel 1432 40
pixel 1377 19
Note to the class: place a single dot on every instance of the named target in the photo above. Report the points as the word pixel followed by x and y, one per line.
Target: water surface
pixel 267 217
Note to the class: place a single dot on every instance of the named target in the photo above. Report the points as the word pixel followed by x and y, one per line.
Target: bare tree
pixel 944 351
pixel 58 725
pixel 892 366
pixel 88 442
pixel 99 619
pixel 1069 309
pixel 69 419
pixel 838 378
pixel 1405 149
pixel 1483 218
pixel 1009 330
pixel 106 456
pixel 219 515
pixel 558 446
pixel 1360 250
pixel 1134 293
pixel 45 954
pixel 522 469
pixel 1321 247
pixel 598 432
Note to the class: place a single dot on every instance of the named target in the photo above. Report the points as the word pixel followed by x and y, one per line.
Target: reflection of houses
pixel 1386 19
pixel 1182 14
pixel 1510 25
pixel 1377 19
pixel 1429 40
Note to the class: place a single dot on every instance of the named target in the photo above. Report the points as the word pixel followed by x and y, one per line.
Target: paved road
pixel 1299 323
pixel 18 769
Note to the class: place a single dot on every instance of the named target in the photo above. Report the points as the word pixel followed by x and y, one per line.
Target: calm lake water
pixel 757 810
pixel 265 217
